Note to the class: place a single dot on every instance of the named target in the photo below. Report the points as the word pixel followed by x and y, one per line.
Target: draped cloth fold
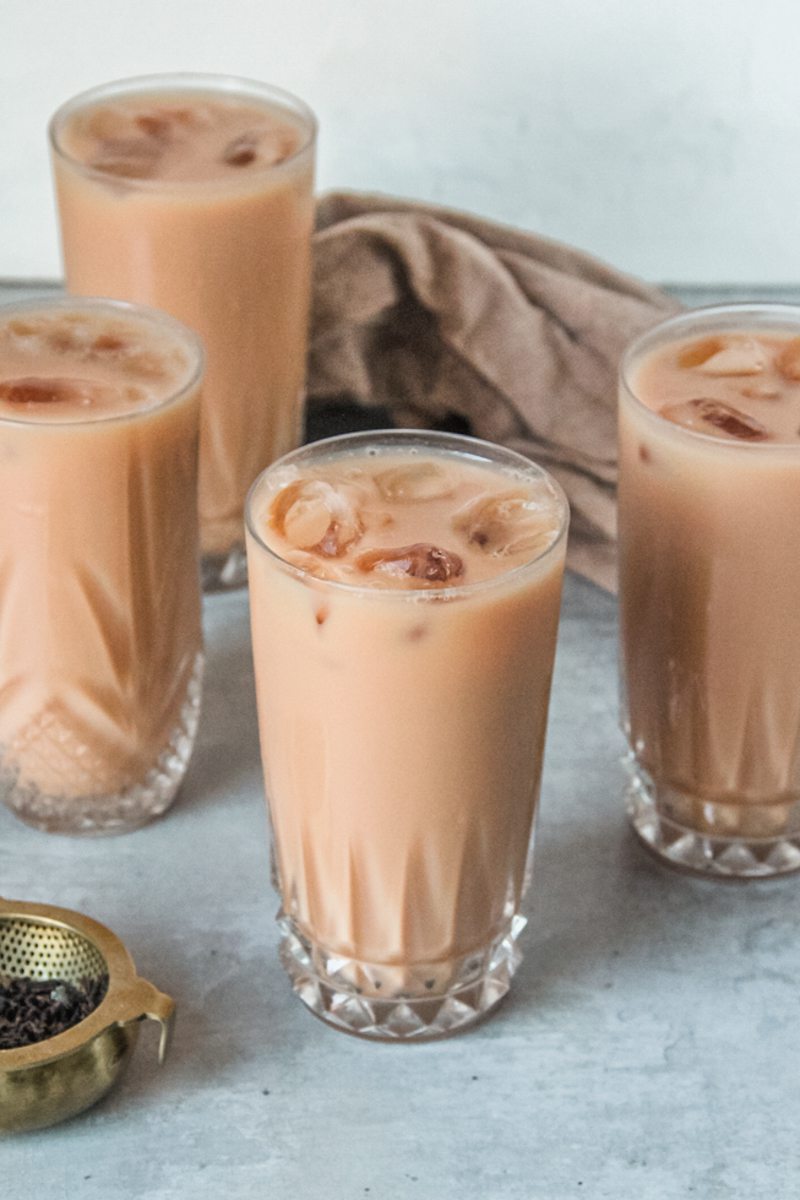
pixel 452 321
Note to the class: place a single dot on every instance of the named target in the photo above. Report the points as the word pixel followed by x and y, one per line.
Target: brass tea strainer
pixel 51 1080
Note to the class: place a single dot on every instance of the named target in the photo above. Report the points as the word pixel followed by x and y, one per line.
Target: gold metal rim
pixel 127 999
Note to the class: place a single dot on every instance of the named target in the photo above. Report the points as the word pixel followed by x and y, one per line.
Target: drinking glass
pixel 709 611
pixel 100 635
pixel 226 250
pixel 402 734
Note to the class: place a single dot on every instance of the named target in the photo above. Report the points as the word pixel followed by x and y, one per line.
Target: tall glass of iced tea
pixel 404 596
pixel 193 193
pixel 709 531
pixel 100 637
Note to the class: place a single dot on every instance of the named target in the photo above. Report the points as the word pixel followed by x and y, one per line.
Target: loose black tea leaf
pixel 32 1010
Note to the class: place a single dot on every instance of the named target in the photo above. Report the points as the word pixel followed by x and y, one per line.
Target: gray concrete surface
pixel 647 1051
pixel 648 1047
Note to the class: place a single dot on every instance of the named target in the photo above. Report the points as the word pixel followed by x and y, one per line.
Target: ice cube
pixel 72 338
pixel 107 123
pixel 61 340
pixel 699 352
pixel 125 168
pixel 706 415
pixel 414 481
pixel 116 123
pixel 107 344
pixel 163 124
pixel 788 362
pixel 241 152
pixel 147 364
pixel 24 329
pixel 276 144
pixel 761 391
pixel 312 515
pixel 738 356
pixel 265 146
pixel 509 523
pixel 187 116
pixel 154 125
pixel 129 158
pixel 422 561
pixel 34 390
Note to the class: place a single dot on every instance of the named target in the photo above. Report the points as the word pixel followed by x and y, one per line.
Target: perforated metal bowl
pixel 62 1075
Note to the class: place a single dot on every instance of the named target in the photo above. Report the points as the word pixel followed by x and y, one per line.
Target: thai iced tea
pixel 404 596
pixel 709 513
pixel 193 193
pixel 100 638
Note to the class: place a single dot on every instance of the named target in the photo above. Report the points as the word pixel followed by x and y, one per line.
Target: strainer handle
pixel 143 1000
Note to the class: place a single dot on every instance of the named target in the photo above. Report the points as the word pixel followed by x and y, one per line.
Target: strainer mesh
pixel 38 951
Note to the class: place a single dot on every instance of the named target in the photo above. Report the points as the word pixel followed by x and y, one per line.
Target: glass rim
pixel 477 449
pixel 199 81
pixel 125 308
pixel 773 314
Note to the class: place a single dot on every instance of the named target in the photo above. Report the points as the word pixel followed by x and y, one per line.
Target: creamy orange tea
pixel 740 386
pixel 404 597
pixel 194 194
pixel 99 611
pixel 408 521
pixel 68 364
pixel 183 137
pixel 709 508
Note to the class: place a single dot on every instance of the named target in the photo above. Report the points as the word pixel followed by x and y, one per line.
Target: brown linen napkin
pixel 451 321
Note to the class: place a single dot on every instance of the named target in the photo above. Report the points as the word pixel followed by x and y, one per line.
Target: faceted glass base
pixel 716 841
pixel 120 812
pixel 394 1003
pixel 224 572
